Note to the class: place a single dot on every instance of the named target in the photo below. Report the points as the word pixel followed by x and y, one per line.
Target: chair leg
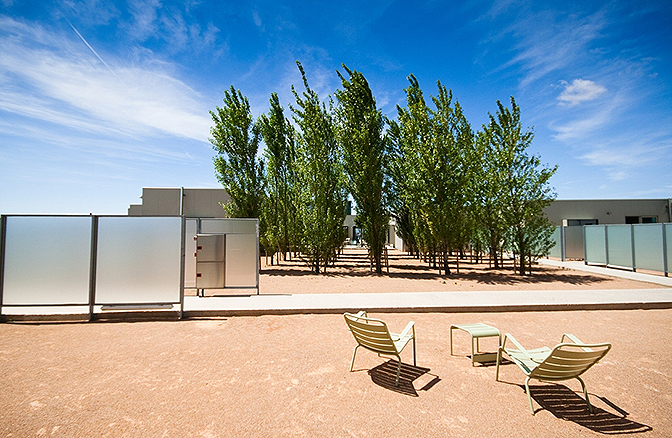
pixel 354 353
pixel 415 364
pixel 499 359
pixel 451 339
pixel 585 393
pixel 529 398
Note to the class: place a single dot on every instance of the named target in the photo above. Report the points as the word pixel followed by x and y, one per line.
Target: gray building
pixel 177 201
pixel 609 211
pixel 191 202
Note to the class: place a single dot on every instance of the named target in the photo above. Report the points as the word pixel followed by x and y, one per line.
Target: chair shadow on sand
pixel 565 404
pixel 385 375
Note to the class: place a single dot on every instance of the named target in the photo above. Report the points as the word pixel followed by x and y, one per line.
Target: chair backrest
pixel 371 333
pixel 568 361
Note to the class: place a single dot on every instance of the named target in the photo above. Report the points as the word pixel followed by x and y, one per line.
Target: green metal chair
pixel 374 335
pixel 567 360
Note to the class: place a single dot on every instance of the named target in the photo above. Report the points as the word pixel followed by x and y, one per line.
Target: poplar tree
pixel 235 137
pixel 490 198
pixel 280 208
pixel 321 202
pixel 360 132
pixel 410 134
pixel 434 160
pixel 525 189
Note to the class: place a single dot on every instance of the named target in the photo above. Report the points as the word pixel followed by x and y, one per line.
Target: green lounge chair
pixel 374 335
pixel 566 361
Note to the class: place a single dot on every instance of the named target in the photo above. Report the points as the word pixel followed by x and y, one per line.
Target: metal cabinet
pixel 210 261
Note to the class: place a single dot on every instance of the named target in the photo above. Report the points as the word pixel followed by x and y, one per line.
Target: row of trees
pixel 447 187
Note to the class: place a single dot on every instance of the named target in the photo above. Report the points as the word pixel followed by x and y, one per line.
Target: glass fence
pixel 637 246
pixel 557 250
pixel 640 246
pixel 47 261
pixel 139 260
pixel 595 244
pixel 88 264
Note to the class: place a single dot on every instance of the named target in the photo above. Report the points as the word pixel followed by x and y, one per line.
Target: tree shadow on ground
pixel 565 404
pixel 549 275
pixel 385 375
pixel 467 273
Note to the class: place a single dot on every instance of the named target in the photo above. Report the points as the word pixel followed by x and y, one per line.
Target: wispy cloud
pixel 580 90
pixel 555 45
pixel 144 15
pixel 541 41
pixel 90 12
pixel 631 151
pixel 257 19
pixel 58 80
pixel 175 27
pixel 585 124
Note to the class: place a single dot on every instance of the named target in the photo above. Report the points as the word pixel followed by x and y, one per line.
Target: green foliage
pixel 447 187
pixel 321 203
pixel 433 163
pixel 280 209
pixel 360 134
pixel 490 200
pixel 522 185
pixel 236 140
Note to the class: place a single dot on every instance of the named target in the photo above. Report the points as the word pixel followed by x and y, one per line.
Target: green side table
pixel 477 331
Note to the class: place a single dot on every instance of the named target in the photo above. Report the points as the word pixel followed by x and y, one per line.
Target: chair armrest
pixel 410 326
pixel 574 339
pixel 517 344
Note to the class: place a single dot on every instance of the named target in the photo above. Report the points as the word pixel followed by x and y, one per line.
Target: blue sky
pixel 99 98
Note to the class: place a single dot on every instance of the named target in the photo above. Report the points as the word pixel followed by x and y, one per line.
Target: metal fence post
pixel 665 259
pixel 3 234
pixel 563 244
pixel 585 246
pixel 182 263
pixel 606 245
pixel 93 265
pixel 632 247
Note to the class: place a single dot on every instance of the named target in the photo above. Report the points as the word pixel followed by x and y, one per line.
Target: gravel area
pixel 273 376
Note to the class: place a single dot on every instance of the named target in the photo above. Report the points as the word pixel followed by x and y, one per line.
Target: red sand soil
pixel 275 376
pixel 352 274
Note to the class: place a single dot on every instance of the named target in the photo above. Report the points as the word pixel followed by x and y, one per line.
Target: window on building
pixel 581 222
pixel 632 219
pixel 649 219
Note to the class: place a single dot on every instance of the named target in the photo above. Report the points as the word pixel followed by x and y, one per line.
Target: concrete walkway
pixel 581 266
pixel 473 301
pixel 446 302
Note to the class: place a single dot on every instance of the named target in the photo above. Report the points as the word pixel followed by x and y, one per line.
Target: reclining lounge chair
pixel 374 335
pixel 566 361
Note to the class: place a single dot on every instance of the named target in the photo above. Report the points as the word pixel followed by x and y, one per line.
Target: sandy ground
pixel 275 376
pixel 352 274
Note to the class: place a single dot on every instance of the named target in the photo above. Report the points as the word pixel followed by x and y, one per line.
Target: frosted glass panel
pixel 668 242
pixel 47 260
pixel 619 245
pixel 556 250
pixel 574 243
pixel 227 226
pixel 189 251
pixel 649 247
pixel 138 260
pixel 595 244
pixel 241 260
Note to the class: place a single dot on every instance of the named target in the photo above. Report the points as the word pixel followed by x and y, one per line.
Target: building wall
pixel 165 201
pixel 608 211
pixel 349 222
